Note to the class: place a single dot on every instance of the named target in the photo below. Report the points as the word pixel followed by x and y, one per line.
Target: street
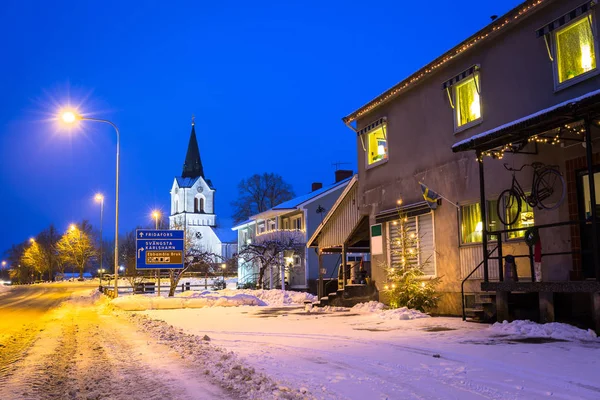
pixel 56 343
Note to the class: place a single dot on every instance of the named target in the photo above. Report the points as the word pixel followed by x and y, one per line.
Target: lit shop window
pixel 575 50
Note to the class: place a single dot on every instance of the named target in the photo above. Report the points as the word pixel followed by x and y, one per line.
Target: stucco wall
pixel 517 79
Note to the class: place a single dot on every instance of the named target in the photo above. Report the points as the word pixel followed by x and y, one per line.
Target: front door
pixel 585 213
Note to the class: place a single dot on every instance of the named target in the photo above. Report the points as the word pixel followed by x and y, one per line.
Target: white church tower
pixel 193 201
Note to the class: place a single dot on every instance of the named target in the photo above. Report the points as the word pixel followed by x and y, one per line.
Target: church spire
pixel 192 167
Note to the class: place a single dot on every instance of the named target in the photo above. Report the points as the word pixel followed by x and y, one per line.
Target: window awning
pixel 411 210
pixel 463 75
pixel 565 19
pixel 372 125
pixel 549 118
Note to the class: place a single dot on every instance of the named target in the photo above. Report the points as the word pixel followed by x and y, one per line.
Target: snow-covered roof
pixel 469 143
pixel 242 224
pixel 301 200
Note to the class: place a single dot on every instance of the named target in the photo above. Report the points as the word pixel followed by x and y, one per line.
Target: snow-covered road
pixel 81 350
pixel 346 355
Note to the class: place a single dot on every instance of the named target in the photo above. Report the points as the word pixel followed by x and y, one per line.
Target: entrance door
pixel 585 213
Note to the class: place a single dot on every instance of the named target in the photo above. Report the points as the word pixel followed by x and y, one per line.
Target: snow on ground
pixel 354 355
pixel 220 298
pixel 185 300
pixel 275 297
pixel 4 288
pixel 553 330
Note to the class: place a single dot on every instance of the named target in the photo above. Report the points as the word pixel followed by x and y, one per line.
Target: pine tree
pixel 407 285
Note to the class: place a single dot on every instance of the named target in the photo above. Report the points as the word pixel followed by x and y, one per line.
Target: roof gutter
pixel 347 123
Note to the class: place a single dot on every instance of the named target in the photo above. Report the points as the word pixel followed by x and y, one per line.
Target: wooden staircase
pixel 350 296
pixel 480 307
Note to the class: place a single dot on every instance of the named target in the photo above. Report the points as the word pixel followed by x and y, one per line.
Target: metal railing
pixel 462 284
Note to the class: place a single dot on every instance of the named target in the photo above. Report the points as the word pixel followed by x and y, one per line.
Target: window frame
pixel 506 235
pixel 462 243
pixel 384 128
pixel 433 260
pixel 475 122
pixel 558 86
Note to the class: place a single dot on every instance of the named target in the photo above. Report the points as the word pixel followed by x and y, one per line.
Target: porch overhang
pixel 565 113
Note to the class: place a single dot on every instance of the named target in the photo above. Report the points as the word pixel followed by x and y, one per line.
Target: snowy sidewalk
pixel 352 355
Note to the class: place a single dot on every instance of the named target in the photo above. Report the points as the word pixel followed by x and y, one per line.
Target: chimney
pixel 493 17
pixel 316 186
pixel 342 174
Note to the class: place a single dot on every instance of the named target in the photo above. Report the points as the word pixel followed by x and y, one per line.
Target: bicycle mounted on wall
pixel 548 192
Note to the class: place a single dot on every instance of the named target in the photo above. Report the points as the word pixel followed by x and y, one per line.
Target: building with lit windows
pixel 524 89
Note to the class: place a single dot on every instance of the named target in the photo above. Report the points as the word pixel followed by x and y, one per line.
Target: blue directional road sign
pixel 159 249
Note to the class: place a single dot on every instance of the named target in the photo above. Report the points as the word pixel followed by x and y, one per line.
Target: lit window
pixel 377 145
pixel 471 224
pixel 468 105
pixel 575 52
pixel 297 223
pixel 524 219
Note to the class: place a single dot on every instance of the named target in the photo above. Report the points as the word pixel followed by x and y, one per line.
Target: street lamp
pixel 70 117
pixel 100 199
pixel 156 216
pixel 224 267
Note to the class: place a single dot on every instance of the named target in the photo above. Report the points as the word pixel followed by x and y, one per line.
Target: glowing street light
pixel 69 117
pixel 156 216
pixel 72 227
pixel 31 240
pixel 3 264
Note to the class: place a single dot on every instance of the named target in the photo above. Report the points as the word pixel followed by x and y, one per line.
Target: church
pixel 193 204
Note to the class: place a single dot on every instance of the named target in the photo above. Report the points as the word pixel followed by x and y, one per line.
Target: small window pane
pixel 468 106
pixel 524 219
pixel 377 145
pixel 575 50
pixel 471 226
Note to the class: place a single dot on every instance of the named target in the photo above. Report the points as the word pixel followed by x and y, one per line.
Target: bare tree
pixel 196 258
pixel 76 248
pixel 260 193
pixel 270 252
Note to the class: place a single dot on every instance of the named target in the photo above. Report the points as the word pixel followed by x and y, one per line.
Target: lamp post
pixel 156 216
pixel 70 117
pixel 224 267
pixel 100 198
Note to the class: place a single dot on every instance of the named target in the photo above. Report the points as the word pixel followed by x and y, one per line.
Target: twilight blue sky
pixel 268 82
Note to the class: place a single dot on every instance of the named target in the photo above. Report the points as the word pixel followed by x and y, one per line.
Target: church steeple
pixel 192 167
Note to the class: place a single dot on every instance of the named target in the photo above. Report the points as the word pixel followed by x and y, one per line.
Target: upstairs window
pixel 468 105
pixel 463 92
pixel 575 49
pixel 373 138
pixel 377 146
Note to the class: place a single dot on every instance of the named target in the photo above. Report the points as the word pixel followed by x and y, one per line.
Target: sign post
pixel 157 249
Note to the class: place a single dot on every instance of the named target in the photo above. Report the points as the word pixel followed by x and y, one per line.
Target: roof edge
pixel 507 19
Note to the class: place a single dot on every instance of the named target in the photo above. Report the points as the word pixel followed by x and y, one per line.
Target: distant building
pixel 193 205
pixel 299 217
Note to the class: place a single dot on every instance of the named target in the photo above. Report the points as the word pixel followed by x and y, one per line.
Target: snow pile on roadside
pixel 553 330
pixel 327 309
pixel 402 313
pixel 191 300
pixel 369 307
pixel 221 366
pixel 274 297
pixel 4 288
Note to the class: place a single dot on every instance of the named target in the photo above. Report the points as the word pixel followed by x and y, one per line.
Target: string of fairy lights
pixel 542 138
pixel 437 63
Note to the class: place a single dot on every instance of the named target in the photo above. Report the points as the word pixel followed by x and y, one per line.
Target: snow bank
pixel 553 330
pixel 191 300
pixel 274 297
pixel 369 307
pixel 4 288
pixel 402 313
